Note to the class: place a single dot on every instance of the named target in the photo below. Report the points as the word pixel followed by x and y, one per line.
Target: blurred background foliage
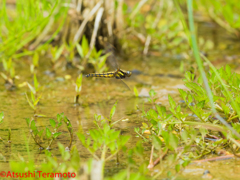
pixel 147 26
pixel 66 34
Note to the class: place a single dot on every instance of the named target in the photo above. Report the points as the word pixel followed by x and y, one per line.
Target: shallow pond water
pixel 97 97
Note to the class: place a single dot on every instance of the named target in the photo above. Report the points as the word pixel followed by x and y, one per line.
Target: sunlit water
pixel 97 97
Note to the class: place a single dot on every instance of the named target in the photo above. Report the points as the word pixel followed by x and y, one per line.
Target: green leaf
pixel 112 146
pixel 124 140
pixel 27 120
pixel 85 46
pixel 65 154
pixel 200 105
pixel 48 133
pixel 78 87
pixel 31 88
pixel 9 63
pixel 59 124
pixel 81 137
pixel 171 102
pixel 59 117
pixel 113 110
pixel 37 100
pixel 12 72
pixel 184 136
pixel 58 52
pixel 152 93
pixel 35 59
pixel 114 135
pixel 157 142
pixel 40 133
pixel 178 109
pixel 79 80
pixel 151 114
pixel 5 65
pixel 189 76
pixel 161 111
pixel 33 127
pixel 183 94
pixel 53 123
pixel 80 50
pixel 2 117
pixel 173 141
pixel 94 134
pixel 225 108
pixel 177 168
pixel 186 163
pixel 32 97
pixel 190 99
pixel 106 128
pixel 55 135
pixel 135 91
pixel 36 84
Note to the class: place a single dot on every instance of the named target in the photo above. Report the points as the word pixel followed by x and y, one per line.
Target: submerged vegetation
pixel 62 36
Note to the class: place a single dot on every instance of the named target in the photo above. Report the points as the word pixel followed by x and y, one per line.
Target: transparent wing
pixel 126 85
pixel 112 61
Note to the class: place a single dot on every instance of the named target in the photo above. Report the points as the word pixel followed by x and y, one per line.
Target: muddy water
pixel 97 97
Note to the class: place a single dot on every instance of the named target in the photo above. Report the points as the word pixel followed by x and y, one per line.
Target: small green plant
pixel 78 88
pixel 1 117
pixel 9 75
pixel 67 165
pixel 95 58
pixel 166 136
pixel 35 62
pixel 223 13
pixel 197 99
pixel 70 53
pixel 9 130
pixel 16 37
pixel 56 53
pixel 135 91
pixel 104 139
pixel 158 30
pixel 35 97
pixel 50 135
pixel 136 165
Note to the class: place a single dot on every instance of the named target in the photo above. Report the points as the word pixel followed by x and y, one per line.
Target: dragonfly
pixel 118 73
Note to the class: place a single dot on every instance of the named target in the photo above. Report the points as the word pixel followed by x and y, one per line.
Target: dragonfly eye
pixel 129 73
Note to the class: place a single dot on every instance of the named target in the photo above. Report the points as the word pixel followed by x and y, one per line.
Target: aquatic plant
pixel 51 136
pixel 156 26
pixel 69 53
pixel 9 75
pixel 212 100
pixel 224 13
pixel 35 94
pixel 93 57
pixel 56 52
pixel 37 24
pixel 9 129
pixel 78 88
pixel 104 139
pixel 35 62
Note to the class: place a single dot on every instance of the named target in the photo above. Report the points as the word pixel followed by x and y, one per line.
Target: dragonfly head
pixel 129 73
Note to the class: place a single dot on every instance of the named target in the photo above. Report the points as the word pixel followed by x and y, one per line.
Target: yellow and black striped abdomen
pixel 105 75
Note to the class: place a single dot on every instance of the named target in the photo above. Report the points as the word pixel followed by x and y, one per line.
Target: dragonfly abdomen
pixel 105 75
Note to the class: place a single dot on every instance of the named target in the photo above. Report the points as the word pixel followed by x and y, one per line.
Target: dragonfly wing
pixel 126 85
pixel 112 61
